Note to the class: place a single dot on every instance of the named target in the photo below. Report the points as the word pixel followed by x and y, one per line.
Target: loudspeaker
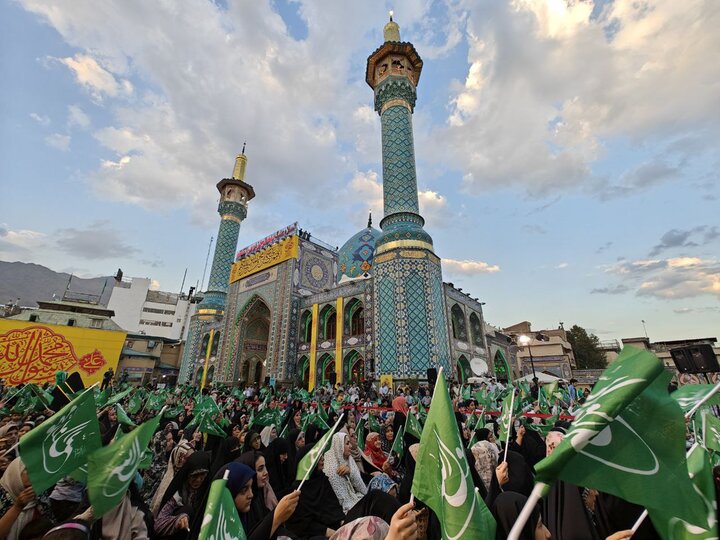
pixel 432 375
pixel 267 381
pixel 695 359
pixel 333 378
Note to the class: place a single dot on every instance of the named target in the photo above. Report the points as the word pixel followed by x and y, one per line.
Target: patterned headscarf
pixel 486 460
pixel 382 482
pixel 365 528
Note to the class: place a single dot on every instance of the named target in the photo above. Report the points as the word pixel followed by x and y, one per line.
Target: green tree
pixel 586 347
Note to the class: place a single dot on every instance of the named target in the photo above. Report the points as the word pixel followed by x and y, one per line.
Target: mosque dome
pixel 355 258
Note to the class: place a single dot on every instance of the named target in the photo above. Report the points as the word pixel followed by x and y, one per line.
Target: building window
pixel 129 344
pixel 147 322
pixel 33 318
pixel 96 323
pixel 71 322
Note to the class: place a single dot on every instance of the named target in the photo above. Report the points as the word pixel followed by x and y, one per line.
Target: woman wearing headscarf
pixel 18 503
pixel 178 457
pixel 264 499
pixel 387 438
pixel 252 442
pixel 527 442
pixel 486 460
pixel 267 435
pixel 382 482
pixel 375 458
pixel 507 508
pixel 183 497
pixel 564 511
pixel 240 484
pixel 296 440
pixel 342 472
pixel 278 466
pixel 229 450
pixel 318 512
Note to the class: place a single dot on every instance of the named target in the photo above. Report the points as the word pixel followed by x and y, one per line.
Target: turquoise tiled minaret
pixel 410 326
pixel 235 193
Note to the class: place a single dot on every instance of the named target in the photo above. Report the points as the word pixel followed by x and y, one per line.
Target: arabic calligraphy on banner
pixel 30 352
pixel 275 254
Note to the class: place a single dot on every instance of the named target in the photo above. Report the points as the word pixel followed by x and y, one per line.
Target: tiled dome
pixel 355 258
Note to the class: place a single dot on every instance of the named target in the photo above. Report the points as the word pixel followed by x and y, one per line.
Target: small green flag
pixel 117 398
pixel 113 467
pixel 360 433
pixel 612 447
pixel 505 420
pixel 308 462
pixel 61 443
pixel 135 403
pixel 442 474
pixel 205 424
pixel 101 398
pixel 398 446
pixel 372 423
pixel 710 431
pixel 122 416
pixel 472 440
pixel 221 520
pixel 672 528
pixel 322 413
pixel 689 394
pixel 412 426
pixel 318 421
pixel 266 417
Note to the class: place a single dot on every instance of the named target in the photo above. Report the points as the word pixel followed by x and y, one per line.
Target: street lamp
pixel 525 340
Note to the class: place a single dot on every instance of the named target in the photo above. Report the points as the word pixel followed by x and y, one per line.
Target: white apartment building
pixel 140 310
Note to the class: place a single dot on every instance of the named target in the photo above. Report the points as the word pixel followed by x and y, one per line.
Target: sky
pixel 567 151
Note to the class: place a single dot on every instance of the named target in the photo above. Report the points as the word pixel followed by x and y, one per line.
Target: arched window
pixel 354 318
pixel 328 321
pixel 476 329
pixel 215 344
pixel 305 326
pixel 210 375
pixel 463 369
pixel 458 323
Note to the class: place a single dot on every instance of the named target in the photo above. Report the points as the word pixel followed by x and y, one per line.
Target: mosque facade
pixel 292 309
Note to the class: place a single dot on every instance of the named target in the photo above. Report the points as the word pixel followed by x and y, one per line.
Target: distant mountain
pixel 32 282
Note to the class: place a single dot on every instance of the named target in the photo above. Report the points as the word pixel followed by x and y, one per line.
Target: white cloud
pixel 469 267
pixel 154 285
pixel 77 117
pixel 58 141
pixel 561 265
pixel 21 243
pixel 97 241
pixel 96 79
pixel 41 119
pixel 672 278
pixel 548 84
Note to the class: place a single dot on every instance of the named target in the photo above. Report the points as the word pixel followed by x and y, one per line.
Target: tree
pixel 586 347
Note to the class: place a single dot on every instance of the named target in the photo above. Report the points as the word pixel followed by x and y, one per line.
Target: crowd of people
pixel 361 487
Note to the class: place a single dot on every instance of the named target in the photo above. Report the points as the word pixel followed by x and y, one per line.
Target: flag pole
pixel 526 511
pixel 639 521
pixel 700 403
pixel 507 438
pixel 311 469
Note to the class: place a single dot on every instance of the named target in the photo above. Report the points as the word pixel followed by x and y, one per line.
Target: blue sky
pixel 567 152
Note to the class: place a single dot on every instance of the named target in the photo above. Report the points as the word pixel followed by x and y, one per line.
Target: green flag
pixel 545 428
pixel 135 403
pixel 101 398
pixel 711 431
pixel 322 413
pixel 448 488
pixel 505 420
pixel 306 465
pixel 61 443
pixel 113 467
pixel 472 419
pixel 122 416
pixel 205 424
pixel 318 421
pixel 689 394
pixel 412 426
pixel 372 423
pixel 472 440
pixel 672 528
pixel 221 520
pixel 360 433
pixel 613 447
pixel 398 446
pixel 117 398
pixel 549 390
pixel 266 417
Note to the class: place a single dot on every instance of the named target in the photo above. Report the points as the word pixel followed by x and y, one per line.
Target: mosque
pixel 292 309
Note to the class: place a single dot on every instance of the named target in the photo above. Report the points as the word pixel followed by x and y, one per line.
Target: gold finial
pixel 240 163
pixel 391 32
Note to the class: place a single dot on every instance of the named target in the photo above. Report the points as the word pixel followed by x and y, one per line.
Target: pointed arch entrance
pixel 463 369
pixel 254 333
pixel 502 370
pixel 304 371
pixel 353 367
pixel 326 366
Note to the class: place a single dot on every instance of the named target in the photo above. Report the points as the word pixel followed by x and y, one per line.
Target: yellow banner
pixel 32 352
pixel 275 254
pixel 387 378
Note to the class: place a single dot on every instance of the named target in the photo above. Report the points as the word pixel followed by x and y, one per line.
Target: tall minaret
pixel 411 324
pixel 206 324
pixel 234 196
